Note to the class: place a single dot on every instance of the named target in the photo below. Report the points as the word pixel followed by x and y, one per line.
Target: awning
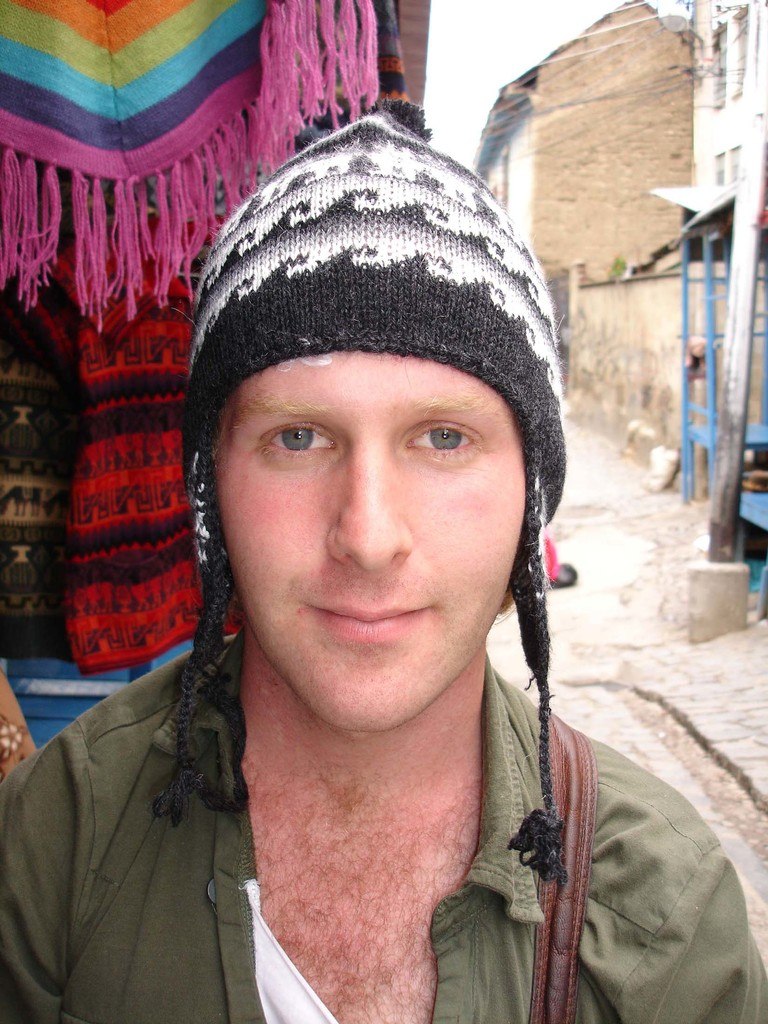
pixel 699 198
pixel 726 198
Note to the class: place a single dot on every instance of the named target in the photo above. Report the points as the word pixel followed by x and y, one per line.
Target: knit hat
pixel 369 240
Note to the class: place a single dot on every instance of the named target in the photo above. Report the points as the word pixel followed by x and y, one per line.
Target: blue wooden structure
pixel 706 245
pixel 52 693
pixel 699 426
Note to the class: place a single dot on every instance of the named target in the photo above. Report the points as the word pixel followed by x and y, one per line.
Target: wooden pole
pixel 745 254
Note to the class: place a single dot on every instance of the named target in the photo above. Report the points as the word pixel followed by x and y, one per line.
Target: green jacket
pixel 108 916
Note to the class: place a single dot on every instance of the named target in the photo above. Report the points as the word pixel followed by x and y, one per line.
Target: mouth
pixel 369 626
pixel 369 615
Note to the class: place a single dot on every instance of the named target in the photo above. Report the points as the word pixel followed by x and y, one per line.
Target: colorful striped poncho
pixel 139 106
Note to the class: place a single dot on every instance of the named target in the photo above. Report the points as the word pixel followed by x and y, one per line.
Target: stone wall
pixel 625 356
pixel 607 127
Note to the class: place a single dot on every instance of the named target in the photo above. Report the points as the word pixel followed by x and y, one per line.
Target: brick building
pixel 575 145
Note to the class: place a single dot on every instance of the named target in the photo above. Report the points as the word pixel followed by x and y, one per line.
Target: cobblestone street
pixel 624 671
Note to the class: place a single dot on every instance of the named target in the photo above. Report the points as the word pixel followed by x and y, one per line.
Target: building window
pixel 734 157
pixel 720 169
pixel 718 65
pixel 740 26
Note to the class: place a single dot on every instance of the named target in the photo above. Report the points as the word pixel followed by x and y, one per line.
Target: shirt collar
pixel 511 790
pixel 208 720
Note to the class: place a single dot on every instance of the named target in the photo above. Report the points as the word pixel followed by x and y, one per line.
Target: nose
pixel 370 523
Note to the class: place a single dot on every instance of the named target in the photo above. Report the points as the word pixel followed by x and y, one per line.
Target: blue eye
pixel 297 440
pixel 445 439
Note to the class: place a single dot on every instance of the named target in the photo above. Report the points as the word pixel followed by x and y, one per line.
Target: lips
pixel 369 626
pixel 363 615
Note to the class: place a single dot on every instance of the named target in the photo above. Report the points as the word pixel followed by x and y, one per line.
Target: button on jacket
pixel 108 916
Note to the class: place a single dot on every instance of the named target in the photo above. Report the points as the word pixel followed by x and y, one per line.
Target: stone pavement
pixel 625 622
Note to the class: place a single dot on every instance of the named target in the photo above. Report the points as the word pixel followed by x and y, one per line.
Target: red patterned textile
pixel 131 590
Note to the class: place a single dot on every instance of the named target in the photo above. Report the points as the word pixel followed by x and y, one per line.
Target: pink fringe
pixel 298 85
pixel 209 171
pixel 28 205
pixel 199 228
pixel 328 34
pixel 308 49
pixel 126 246
pixel 50 223
pixel 310 67
pixel 146 242
pixel 10 222
pixel 30 219
pixel 162 236
pixel 82 225
pixel 99 281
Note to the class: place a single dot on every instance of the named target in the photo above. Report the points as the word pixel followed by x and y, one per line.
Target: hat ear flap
pixel 529 583
pixel 539 838
pixel 202 678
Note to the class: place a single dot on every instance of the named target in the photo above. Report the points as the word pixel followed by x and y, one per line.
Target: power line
pixel 585 101
pixel 635 38
pixel 586 53
pixel 597 49
pixel 638 38
pixel 497 109
pixel 614 28
pixel 644 97
pixel 614 138
pixel 659 88
pixel 642 92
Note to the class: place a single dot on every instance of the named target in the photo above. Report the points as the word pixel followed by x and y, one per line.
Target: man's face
pixel 371 507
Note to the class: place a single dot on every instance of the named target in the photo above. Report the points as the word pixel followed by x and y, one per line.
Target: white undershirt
pixel 286 997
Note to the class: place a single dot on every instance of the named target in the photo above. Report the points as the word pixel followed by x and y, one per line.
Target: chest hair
pixel 350 896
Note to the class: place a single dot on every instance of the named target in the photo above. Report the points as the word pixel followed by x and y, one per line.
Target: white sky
pixel 477 48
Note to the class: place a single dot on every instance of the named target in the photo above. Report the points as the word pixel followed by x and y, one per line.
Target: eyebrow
pixel 429 408
pixel 270 405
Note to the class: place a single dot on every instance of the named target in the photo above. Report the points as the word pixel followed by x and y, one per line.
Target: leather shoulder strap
pixel 556 966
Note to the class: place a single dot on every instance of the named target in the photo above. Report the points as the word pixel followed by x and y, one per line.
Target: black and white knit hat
pixel 369 240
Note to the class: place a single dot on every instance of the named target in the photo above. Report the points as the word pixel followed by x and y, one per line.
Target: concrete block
pixel 718 594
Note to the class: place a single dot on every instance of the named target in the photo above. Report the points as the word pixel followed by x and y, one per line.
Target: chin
pixel 374 719
pixel 371 694
pixel 362 702
pixel 368 688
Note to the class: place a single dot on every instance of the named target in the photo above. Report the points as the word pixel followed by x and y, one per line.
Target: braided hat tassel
pixel 539 838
